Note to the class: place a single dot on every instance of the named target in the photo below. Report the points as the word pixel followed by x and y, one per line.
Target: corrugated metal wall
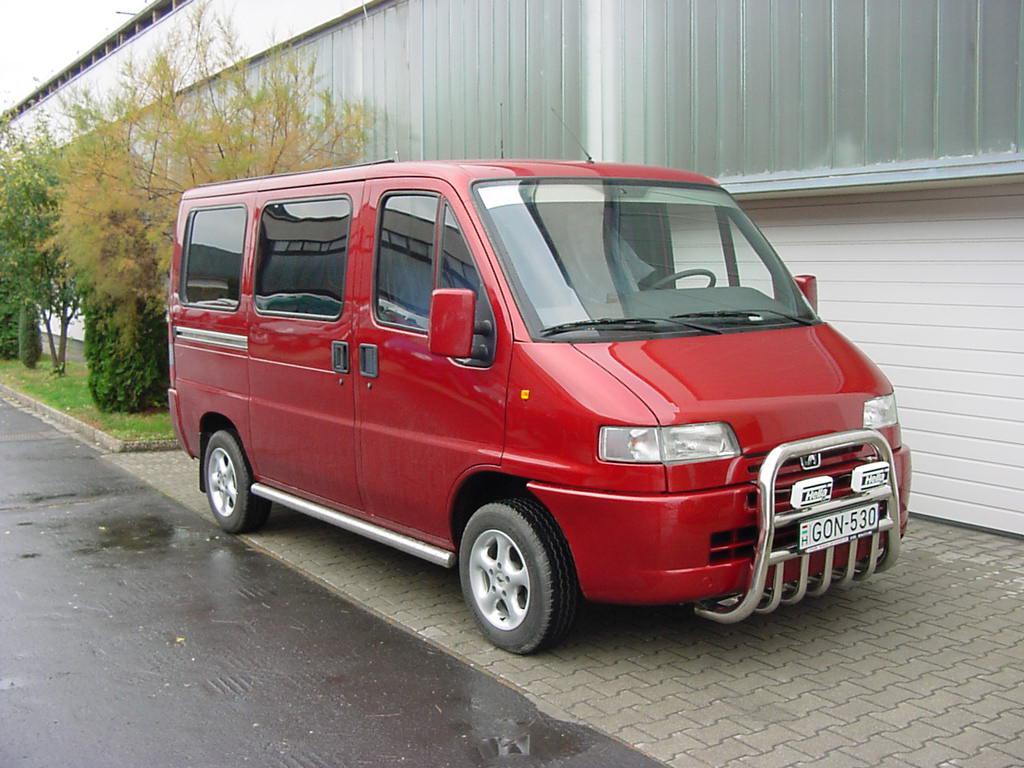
pixel 459 78
pixel 728 87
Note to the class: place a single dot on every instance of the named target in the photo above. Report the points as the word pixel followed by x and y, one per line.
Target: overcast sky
pixel 38 38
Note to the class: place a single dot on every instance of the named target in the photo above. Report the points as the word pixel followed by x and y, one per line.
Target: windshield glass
pixel 600 257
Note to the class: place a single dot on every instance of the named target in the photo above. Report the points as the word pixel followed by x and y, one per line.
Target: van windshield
pixel 593 258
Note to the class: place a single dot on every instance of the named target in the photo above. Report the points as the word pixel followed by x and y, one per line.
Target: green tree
pixel 32 260
pixel 124 376
pixel 196 111
pixel 9 305
pixel 30 345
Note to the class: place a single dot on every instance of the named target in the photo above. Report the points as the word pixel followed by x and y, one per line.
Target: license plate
pixel 838 527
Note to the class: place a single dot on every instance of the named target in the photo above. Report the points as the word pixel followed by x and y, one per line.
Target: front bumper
pixel 657 549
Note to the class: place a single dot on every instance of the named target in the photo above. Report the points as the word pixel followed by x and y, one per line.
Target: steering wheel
pixel 662 282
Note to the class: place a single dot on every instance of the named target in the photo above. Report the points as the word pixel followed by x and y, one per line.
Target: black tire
pixel 246 512
pixel 554 593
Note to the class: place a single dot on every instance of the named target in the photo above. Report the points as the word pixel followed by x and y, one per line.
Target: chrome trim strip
pixel 399 541
pixel 214 338
pixel 763 598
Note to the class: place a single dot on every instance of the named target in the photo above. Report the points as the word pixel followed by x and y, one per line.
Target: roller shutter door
pixel 930 284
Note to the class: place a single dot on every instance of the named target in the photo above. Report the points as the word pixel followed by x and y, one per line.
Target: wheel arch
pixel 476 489
pixel 482 487
pixel 210 423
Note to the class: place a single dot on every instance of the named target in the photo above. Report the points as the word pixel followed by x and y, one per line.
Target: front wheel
pixel 518 578
pixel 227 479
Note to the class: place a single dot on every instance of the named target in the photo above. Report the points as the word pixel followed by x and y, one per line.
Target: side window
pixel 457 267
pixel 405 259
pixel 458 270
pixel 301 267
pixel 213 257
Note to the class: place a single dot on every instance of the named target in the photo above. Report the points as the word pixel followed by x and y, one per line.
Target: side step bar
pixel 406 544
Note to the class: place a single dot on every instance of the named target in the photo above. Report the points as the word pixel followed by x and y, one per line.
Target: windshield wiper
pixel 744 314
pixel 627 323
pixel 793 318
pixel 599 322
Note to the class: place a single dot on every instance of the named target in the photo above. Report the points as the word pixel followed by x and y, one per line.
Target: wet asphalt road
pixel 133 633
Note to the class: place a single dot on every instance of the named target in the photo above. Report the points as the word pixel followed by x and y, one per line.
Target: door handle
pixel 339 356
pixel 368 360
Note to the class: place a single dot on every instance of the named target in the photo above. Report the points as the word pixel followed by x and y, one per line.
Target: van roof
pixel 459 173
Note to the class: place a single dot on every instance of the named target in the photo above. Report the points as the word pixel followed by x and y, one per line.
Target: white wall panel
pixel 967 404
pixel 930 284
pixel 967 469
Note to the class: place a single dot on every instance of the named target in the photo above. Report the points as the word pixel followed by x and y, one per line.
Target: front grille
pixel 738 543
pixel 837 464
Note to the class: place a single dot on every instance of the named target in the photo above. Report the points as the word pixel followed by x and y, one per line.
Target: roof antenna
pixel 501 129
pixel 573 135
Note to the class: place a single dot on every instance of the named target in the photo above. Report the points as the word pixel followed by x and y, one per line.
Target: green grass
pixel 70 394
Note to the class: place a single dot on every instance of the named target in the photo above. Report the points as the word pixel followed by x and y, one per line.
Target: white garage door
pixel 930 284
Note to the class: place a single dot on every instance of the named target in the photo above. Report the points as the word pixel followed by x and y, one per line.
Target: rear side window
pixel 213 257
pixel 301 267
pixel 405 260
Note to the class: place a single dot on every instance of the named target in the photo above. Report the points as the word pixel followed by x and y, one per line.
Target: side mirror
pixel 452 321
pixel 808 285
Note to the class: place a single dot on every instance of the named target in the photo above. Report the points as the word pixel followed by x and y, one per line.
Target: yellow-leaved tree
pixel 195 111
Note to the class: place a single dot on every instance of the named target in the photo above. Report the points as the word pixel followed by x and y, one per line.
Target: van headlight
pixel 881 412
pixel 668 445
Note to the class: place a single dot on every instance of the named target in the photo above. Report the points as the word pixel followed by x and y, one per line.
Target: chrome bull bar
pixel 765 597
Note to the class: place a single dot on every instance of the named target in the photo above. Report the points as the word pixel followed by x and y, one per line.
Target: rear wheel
pixel 228 478
pixel 518 577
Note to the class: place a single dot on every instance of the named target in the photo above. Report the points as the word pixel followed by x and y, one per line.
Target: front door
pixel 302 407
pixel 424 420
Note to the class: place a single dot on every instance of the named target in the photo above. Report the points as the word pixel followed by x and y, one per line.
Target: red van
pixel 567 379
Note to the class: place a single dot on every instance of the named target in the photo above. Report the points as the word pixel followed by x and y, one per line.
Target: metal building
pixel 877 142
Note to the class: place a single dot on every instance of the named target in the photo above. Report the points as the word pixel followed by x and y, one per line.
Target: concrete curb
pixel 84 431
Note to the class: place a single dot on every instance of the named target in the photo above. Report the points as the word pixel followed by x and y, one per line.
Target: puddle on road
pixel 493 730
pixel 540 739
pixel 142 533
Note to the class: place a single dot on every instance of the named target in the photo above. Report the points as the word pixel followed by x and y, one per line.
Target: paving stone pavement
pixel 921 666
